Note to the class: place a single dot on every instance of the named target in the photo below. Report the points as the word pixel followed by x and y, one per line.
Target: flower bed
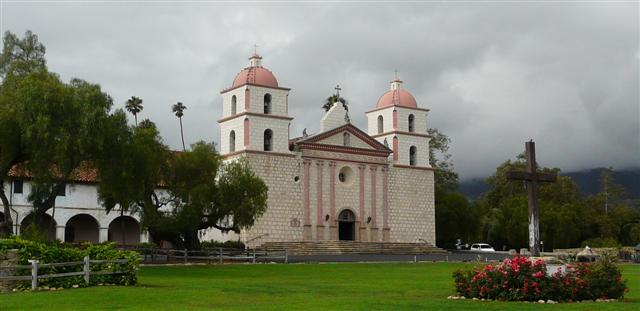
pixel 520 279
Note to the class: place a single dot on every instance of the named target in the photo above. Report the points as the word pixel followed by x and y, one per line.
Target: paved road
pixel 452 256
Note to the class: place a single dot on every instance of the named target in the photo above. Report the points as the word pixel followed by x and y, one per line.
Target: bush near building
pixel 520 279
pixel 56 252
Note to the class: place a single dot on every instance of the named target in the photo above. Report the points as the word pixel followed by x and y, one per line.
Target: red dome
pixel 397 97
pixel 255 75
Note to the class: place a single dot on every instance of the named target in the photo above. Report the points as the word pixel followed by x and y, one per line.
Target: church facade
pixel 343 183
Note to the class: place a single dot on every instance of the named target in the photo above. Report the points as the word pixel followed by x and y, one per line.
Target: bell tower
pixel 255 112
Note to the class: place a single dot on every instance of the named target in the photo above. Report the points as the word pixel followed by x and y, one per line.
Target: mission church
pixel 340 184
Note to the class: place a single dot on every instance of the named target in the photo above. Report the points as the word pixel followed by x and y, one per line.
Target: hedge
pixel 54 252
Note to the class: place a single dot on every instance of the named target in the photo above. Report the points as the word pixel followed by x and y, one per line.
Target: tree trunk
pixel 182 135
pixel 6 226
pixel 135 116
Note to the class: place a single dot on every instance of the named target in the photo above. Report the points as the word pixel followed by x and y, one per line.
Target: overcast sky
pixel 494 74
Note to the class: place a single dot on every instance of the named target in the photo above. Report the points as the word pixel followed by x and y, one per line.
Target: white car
pixel 481 247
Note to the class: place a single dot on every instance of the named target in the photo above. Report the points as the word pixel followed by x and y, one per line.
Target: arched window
pixel 268 140
pixel 380 124
pixel 346 139
pixel 233 104
pixel 413 156
pixel 412 123
pixel 267 103
pixel 232 141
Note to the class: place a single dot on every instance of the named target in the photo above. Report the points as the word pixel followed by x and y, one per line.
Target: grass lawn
pixel 388 286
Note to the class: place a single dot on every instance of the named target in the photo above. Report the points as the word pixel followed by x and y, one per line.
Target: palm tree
pixel 332 99
pixel 134 106
pixel 179 109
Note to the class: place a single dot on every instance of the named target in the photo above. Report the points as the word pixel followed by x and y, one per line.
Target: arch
pixel 232 141
pixel 124 230
pixel 346 139
pixel 268 140
pixel 380 124
pixel 82 228
pixel 412 123
pixel 346 225
pixel 413 156
pixel 234 104
pixel 47 222
pixel 267 103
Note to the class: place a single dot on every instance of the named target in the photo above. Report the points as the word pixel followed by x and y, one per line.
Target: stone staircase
pixel 350 247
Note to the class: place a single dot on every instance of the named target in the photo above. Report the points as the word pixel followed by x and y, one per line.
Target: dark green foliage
pixel 225 244
pixel 333 99
pixel 56 252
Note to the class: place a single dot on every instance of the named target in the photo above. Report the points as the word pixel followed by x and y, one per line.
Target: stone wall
pixel 411 204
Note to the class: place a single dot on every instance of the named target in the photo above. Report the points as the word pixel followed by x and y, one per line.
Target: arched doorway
pixel 346 226
pixel 48 225
pixel 82 228
pixel 124 230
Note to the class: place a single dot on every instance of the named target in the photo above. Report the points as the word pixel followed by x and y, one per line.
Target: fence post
pixel 415 258
pixel 220 255
pixel 286 256
pixel 87 270
pixel 34 273
pixel 185 255
pixel 254 255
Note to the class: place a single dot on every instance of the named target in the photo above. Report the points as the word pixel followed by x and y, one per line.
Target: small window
pixel 346 139
pixel 233 104
pixel 380 124
pixel 62 191
pixel 268 140
pixel 413 156
pixel 412 121
pixel 232 141
pixel 18 186
pixel 267 103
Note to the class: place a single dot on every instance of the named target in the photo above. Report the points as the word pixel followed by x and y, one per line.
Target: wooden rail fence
pixel 218 255
pixel 35 265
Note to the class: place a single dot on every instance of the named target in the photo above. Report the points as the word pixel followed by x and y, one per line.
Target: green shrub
pixel 55 252
pixel 601 242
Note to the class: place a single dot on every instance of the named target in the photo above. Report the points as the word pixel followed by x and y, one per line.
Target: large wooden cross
pixel 532 178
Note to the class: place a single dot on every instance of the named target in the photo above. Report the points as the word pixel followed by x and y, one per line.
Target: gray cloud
pixel 493 75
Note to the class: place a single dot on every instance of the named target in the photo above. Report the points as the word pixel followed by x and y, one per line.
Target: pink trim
pixel 247 99
pixel 332 191
pixel 361 169
pixel 373 196
pixel 247 134
pixel 385 197
pixel 319 216
pixel 402 107
pixel 253 114
pixel 307 199
pixel 395 119
pixel 395 149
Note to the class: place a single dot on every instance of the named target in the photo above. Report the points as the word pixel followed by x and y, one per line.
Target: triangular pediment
pixel 335 137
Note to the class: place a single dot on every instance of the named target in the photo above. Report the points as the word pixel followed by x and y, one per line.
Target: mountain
pixel 588 181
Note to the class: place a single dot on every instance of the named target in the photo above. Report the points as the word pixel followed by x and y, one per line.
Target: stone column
pixel 319 214
pixel 374 228
pixel 363 220
pixel 103 235
pixel 385 205
pixel 333 228
pixel 306 230
pixel 60 233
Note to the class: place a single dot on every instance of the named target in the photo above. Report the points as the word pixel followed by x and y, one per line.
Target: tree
pixel 179 109
pixel 334 99
pixel 134 106
pixel 446 179
pixel 19 58
pixel 179 193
